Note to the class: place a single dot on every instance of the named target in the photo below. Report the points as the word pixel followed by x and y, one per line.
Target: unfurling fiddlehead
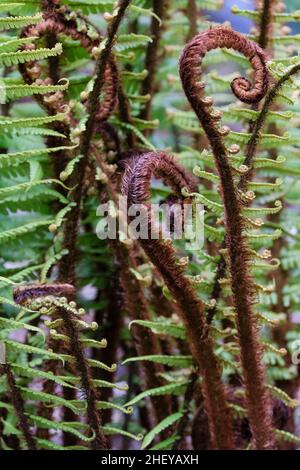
pixel 258 399
pixel 55 295
pixel 136 186
pixel 60 21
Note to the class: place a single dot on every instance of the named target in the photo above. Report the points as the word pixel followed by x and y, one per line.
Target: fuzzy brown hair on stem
pixel 55 23
pixel 27 294
pixel 93 415
pixel 138 173
pixel 258 399
pixel 136 304
pixel 19 406
pixel 265 23
pixel 247 176
pixel 151 60
pixel 67 264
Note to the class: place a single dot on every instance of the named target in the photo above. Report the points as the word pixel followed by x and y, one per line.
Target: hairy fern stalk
pixel 129 343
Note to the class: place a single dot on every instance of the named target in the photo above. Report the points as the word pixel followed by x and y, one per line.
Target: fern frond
pixel 20 57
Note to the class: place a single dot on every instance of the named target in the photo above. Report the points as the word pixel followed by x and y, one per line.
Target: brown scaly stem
pixel 259 404
pixel 19 406
pixel 67 265
pixel 55 23
pixel 136 186
pixel 265 23
pixel 145 342
pixel 259 123
pixel 249 155
pixel 93 415
pixel 25 294
pixel 159 8
pixel 192 14
pixel 112 321
pixel 136 304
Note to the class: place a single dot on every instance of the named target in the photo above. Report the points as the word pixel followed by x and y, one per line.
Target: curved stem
pixel 136 186
pixel 259 402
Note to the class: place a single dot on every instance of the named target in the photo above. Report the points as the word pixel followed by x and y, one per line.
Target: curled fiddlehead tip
pixel 22 294
pixel 140 168
pixel 222 36
pixel 56 21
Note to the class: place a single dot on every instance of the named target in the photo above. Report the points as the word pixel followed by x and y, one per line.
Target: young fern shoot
pixel 259 403
pixel 139 171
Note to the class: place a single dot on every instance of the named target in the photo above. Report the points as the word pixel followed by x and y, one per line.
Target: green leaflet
pixel 262 187
pixel 15 91
pixel 37 131
pixel 60 217
pixel 19 21
pixel 27 371
pixel 25 200
pixel 268 162
pixel 205 174
pixel 5 281
pixel 214 234
pixel 20 57
pixel 6 301
pixel 164 424
pixel 141 137
pixel 50 262
pixel 11 234
pixel 93 343
pixel 11 124
pixel 256 15
pixel 166 444
pixel 67 172
pixel 17 158
pixel 172 361
pixel 287 436
pixel 33 350
pixel 260 211
pixel 90 6
pixel 77 407
pixel 70 427
pixel 131 41
pixel 111 431
pixel 27 186
pixel 104 405
pixel 11 324
pixel 169 389
pixel 283 396
pixel 161 327
pixel 105 384
pixel 234 114
pixel 266 140
pixel 215 207
pixel 101 365
pixel 137 11
pixel 12 45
